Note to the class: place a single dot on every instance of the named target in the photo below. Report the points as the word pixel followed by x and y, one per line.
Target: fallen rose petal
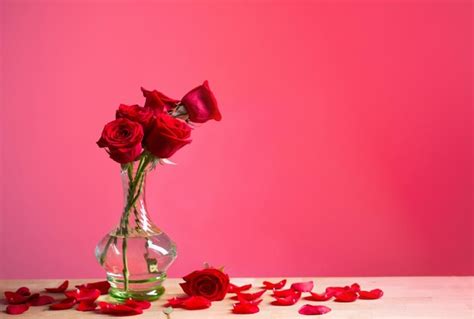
pixel 176 302
pixel 16 309
pixel 283 293
pixel 67 303
pixel 347 296
pixel 245 308
pixel 274 286
pixel 355 287
pixel 287 301
pixel 118 309
pixel 253 302
pixel 235 289
pixel 195 303
pixel 86 306
pixel 24 291
pixel 373 294
pixel 14 298
pixel 313 310
pixel 319 297
pixel 303 286
pixel 38 300
pixel 102 286
pixel 61 288
pixel 334 291
pixel 249 296
pixel 83 294
pixel 138 303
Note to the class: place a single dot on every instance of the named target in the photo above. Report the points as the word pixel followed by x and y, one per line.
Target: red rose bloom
pixel 167 135
pixel 209 283
pixel 157 101
pixel 122 138
pixel 135 113
pixel 201 104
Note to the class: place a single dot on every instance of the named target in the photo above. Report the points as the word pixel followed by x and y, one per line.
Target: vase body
pixel 137 253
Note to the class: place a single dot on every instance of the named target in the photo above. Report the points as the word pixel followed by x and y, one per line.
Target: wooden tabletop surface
pixel 404 297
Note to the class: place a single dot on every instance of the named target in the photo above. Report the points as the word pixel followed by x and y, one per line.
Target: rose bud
pixel 201 105
pixel 210 283
pixel 122 139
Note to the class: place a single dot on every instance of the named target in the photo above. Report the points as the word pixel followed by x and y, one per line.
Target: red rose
pixel 123 139
pixel 201 104
pixel 157 101
pixel 210 283
pixel 167 135
pixel 135 113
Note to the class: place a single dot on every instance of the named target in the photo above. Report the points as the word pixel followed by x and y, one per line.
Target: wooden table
pixel 405 297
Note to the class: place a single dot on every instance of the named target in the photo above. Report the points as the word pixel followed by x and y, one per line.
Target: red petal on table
pixel 83 294
pixel 195 303
pixel 319 297
pixel 14 298
pixel 313 310
pixel 138 303
pixel 252 302
pixel 271 286
pixel 249 296
pixel 16 309
pixel 303 286
pixel 62 287
pixel 176 302
pixel 355 287
pixel 24 291
pixel 86 306
pixel 102 286
pixel 373 294
pixel 284 293
pixel 235 289
pixel 245 308
pixel 37 300
pixel 118 309
pixel 287 301
pixel 347 296
pixel 67 303
pixel 334 291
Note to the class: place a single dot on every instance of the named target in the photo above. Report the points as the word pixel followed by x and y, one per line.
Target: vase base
pixel 145 289
pixel 148 295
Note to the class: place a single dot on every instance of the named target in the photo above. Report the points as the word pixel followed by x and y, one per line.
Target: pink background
pixel 345 146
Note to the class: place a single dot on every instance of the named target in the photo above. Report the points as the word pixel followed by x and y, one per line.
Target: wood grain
pixel 405 297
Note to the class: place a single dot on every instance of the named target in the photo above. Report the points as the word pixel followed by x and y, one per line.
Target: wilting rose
pixel 167 135
pixel 201 105
pixel 157 101
pixel 122 138
pixel 135 113
pixel 210 283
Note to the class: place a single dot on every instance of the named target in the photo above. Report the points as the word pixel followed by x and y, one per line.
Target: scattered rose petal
pixel 24 291
pixel 86 306
pixel 303 286
pixel 176 302
pixel 83 294
pixel 274 286
pixel 195 303
pixel 67 303
pixel 245 308
pixel 37 300
pixel 287 301
pixel 355 287
pixel 235 289
pixel 283 293
pixel 319 297
pixel 253 302
pixel 102 286
pixel 138 303
pixel 249 296
pixel 14 298
pixel 16 309
pixel 118 309
pixel 61 288
pixel 313 310
pixel 373 294
pixel 334 291
pixel 347 296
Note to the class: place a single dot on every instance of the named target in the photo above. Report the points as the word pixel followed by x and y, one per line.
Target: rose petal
pixel 249 296
pixel 67 303
pixel 334 291
pixel 273 286
pixel 16 309
pixel 287 301
pixel 373 294
pixel 176 302
pixel 138 303
pixel 319 297
pixel 245 308
pixel 102 286
pixel 14 298
pixel 118 309
pixel 86 306
pixel 283 293
pixel 303 286
pixel 313 310
pixel 195 303
pixel 24 291
pixel 235 289
pixel 253 302
pixel 355 287
pixel 38 300
pixel 83 294
pixel 347 296
pixel 61 288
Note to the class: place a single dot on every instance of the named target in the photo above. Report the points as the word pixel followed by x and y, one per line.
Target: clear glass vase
pixel 136 254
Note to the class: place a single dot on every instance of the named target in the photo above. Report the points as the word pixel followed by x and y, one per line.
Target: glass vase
pixel 136 254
